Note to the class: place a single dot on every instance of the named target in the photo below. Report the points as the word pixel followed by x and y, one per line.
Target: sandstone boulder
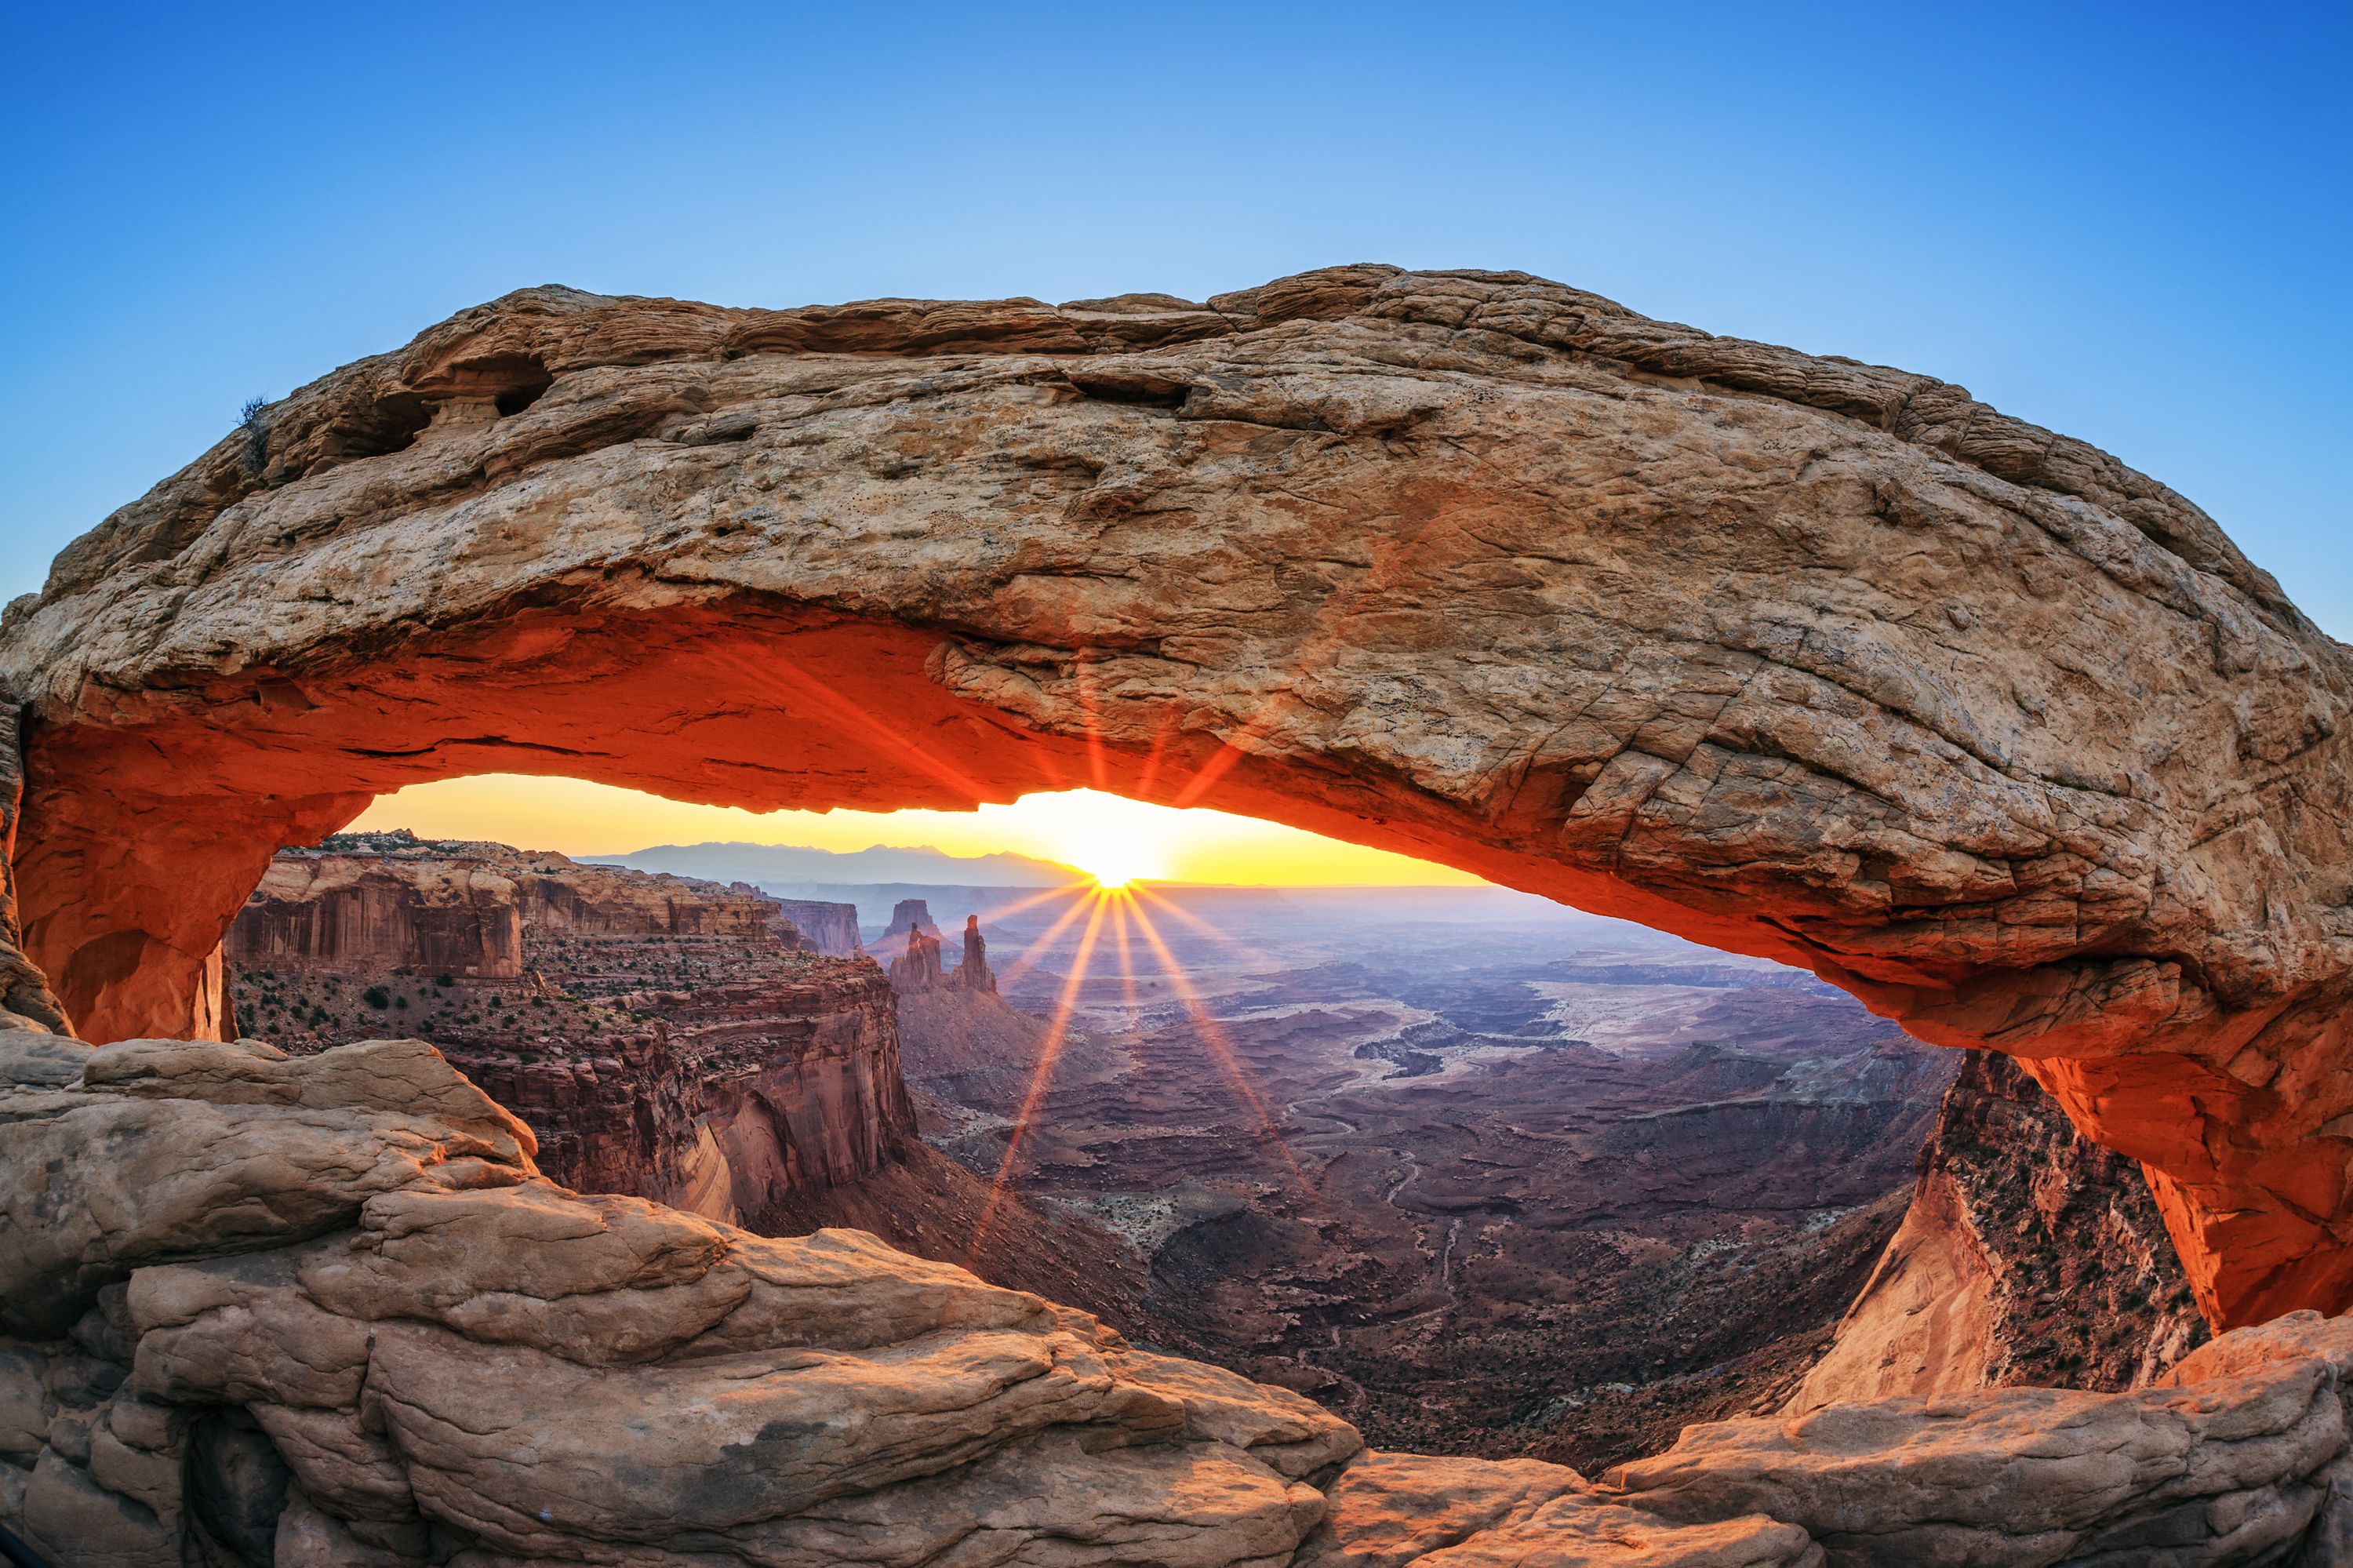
pixel 2243 1462
pixel 290 1319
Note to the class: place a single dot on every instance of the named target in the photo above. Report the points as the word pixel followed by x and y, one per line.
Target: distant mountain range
pixel 767 864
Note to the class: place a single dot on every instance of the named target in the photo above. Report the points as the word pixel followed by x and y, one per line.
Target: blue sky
pixel 2129 223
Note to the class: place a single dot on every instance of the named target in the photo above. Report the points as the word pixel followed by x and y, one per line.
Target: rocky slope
pixel 2028 1256
pixel 1792 655
pixel 320 1311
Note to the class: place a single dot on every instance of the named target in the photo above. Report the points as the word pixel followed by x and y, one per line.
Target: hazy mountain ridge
pixel 788 864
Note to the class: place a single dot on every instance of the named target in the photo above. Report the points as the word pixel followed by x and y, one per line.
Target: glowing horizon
pixel 1112 839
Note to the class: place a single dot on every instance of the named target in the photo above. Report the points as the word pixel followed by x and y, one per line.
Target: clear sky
pixel 2130 223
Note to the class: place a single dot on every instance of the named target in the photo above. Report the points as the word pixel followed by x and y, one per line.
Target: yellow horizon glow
pixel 1112 839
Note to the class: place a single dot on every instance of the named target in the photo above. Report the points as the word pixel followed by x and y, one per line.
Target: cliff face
pixel 2030 1255
pixel 358 915
pixel 390 902
pixel 727 1100
pixel 833 928
pixel 662 1036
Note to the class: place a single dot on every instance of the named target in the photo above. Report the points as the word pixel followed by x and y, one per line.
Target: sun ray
pixel 1097 766
pixel 1121 900
pixel 1231 941
pixel 1074 890
pixel 1027 961
pixel 1150 773
pixel 1056 1029
pixel 1228 1060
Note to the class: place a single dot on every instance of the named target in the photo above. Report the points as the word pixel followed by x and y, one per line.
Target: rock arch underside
pixel 1792 655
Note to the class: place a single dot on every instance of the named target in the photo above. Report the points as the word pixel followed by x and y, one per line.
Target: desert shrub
pixel 375 996
pixel 256 455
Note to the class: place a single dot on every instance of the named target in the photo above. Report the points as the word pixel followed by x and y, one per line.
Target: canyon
pixel 663 1037
pixel 1801 658
pixel 1486 1178
pixel 1443 1218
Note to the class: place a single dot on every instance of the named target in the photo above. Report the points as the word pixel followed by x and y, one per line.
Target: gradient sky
pixel 2128 223
pixel 1101 834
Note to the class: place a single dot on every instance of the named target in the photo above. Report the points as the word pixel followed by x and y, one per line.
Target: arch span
pixel 1796 656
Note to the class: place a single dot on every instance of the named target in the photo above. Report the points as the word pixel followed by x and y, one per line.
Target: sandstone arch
pixel 1793 655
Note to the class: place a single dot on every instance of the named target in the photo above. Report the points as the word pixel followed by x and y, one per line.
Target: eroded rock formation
pixel 663 1036
pixel 322 1310
pixel 917 966
pixel 2029 1254
pixel 831 927
pixel 1793 655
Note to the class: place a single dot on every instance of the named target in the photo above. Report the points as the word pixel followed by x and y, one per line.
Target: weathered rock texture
pixel 2029 1254
pixel 322 1310
pixel 727 1101
pixel 832 928
pixel 361 915
pixel 664 1037
pixel 916 965
pixel 1794 655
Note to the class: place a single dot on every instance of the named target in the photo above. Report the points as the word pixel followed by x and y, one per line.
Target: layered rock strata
pixel 1792 655
pixel 919 967
pixel 832 928
pixel 725 1101
pixel 909 918
pixel 323 1310
pixel 2029 1254
pixel 665 1037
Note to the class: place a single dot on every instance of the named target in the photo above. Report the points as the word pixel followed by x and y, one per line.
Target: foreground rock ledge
pixel 320 1311
pixel 1788 654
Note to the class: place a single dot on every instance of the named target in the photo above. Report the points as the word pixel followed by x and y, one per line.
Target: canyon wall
pixel 359 915
pixel 833 928
pixel 2030 1255
pixel 662 1036
pixel 726 1102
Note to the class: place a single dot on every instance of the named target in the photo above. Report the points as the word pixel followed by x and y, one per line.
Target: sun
pixel 1114 865
pixel 1112 876
pixel 1115 843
